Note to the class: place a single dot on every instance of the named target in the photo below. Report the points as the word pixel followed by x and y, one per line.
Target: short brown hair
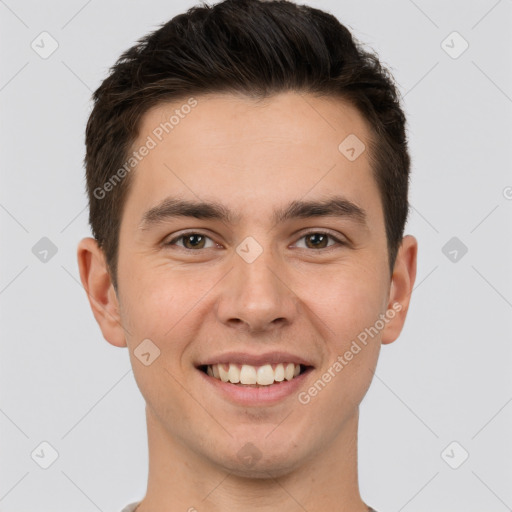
pixel 253 47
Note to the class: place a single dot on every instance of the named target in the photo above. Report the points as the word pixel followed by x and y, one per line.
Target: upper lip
pixel 255 359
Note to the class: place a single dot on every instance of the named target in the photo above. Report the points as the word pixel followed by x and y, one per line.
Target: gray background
pixel 446 379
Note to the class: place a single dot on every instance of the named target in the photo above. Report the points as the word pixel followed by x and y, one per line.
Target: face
pixel 258 281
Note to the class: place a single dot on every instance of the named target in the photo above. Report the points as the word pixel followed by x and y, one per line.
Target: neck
pixel 180 480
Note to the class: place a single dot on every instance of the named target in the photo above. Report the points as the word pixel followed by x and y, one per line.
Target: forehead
pixel 250 153
pixel 217 120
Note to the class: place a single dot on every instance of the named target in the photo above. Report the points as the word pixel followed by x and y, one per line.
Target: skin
pixel 251 156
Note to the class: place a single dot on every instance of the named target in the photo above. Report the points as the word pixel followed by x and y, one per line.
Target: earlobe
pixel 100 291
pixel 402 283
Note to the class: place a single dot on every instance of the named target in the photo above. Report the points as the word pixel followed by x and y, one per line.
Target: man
pixel 247 170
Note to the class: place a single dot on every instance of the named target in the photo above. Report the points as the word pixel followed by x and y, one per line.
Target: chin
pixel 261 457
pixel 264 468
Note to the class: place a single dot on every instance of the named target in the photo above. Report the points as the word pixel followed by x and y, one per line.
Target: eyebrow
pixel 171 208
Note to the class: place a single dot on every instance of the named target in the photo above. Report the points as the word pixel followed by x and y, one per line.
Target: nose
pixel 256 296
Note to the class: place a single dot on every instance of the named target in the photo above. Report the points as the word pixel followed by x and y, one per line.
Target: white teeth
pixel 224 375
pixel 279 373
pixel 288 371
pixel 247 374
pixel 265 375
pixel 234 373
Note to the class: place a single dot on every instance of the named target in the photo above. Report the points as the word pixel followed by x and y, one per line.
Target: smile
pixel 258 380
pixel 249 375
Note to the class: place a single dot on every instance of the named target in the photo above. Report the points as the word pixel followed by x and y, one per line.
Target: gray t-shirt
pixel 131 507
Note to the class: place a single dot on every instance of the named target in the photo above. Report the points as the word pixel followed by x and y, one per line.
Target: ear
pixel 102 297
pixel 402 283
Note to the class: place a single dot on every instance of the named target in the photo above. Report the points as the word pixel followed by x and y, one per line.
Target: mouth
pixel 254 380
pixel 251 376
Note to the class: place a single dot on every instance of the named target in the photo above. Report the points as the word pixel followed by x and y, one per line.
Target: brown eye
pixel 191 241
pixel 319 240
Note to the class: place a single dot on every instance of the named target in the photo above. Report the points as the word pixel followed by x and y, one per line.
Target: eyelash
pixel 325 233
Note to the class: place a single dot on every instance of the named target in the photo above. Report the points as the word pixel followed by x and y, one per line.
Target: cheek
pixel 151 305
pixel 156 309
pixel 346 301
pixel 168 307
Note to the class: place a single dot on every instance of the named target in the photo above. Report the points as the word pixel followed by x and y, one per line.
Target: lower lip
pixel 265 395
